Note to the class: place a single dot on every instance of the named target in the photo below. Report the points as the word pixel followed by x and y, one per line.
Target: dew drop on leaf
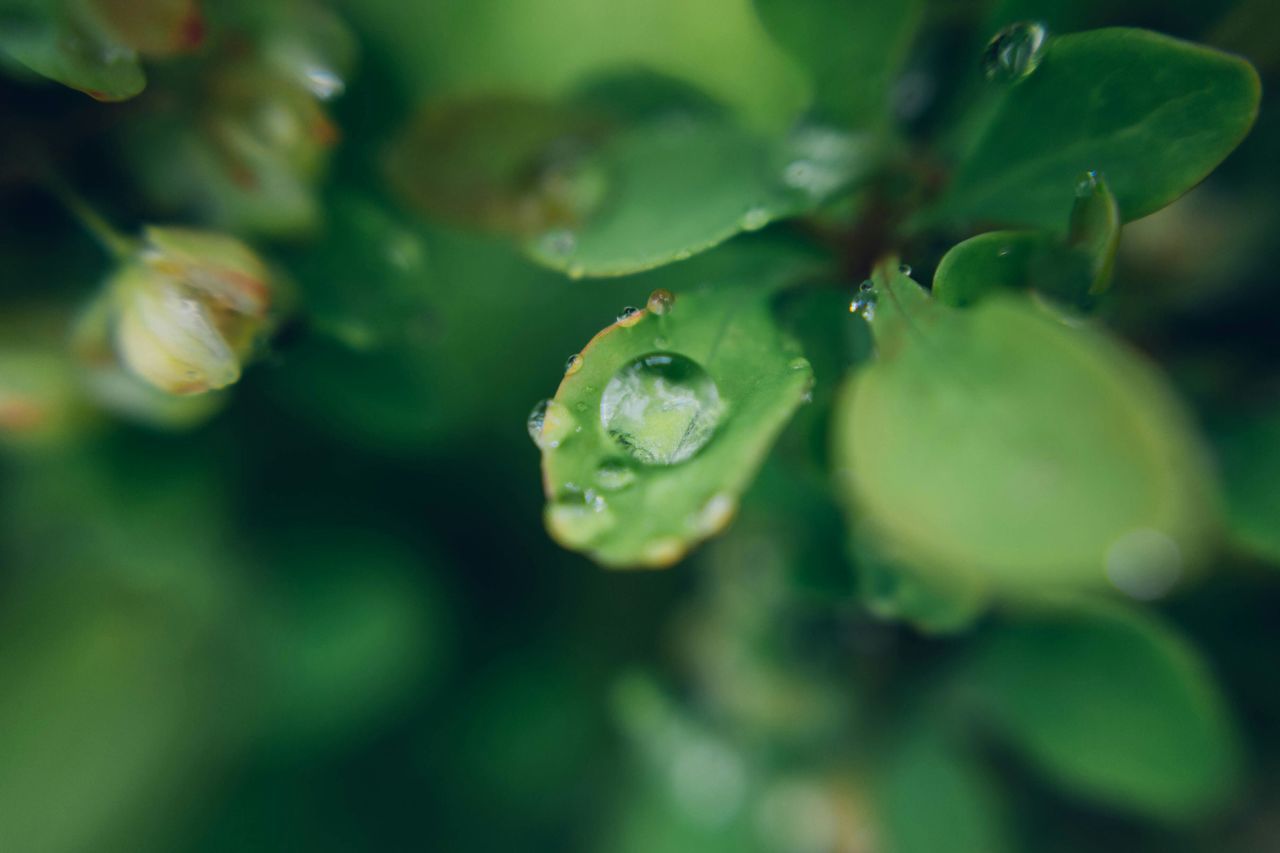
pixel 754 218
pixel 613 475
pixel 573 365
pixel 1086 184
pixel 549 424
pixel 558 242
pixel 1014 52
pixel 905 269
pixel 661 408
pixel 660 301
pixel 629 317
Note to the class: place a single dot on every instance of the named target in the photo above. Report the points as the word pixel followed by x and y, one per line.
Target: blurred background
pixel 319 611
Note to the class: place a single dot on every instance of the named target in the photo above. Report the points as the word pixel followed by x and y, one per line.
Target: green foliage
pixel 663 418
pixel 1153 114
pixel 274 546
pixel 1005 446
pixel 1111 704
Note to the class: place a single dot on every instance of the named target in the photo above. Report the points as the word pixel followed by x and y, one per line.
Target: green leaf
pixel 500 162
pixel 663 420
pixel 1111 704
pixel 66 44
pixel 1071 270
pixel 891 590
pixel 852 51
pixel 1004 445
pixel 1153 113
pixel 934 796
pixel 676 188
pixel 1250 452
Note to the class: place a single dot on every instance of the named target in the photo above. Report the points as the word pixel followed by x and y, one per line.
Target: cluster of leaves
pixel 991 452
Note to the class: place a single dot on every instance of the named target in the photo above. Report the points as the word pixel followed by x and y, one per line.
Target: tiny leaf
pixel 663 419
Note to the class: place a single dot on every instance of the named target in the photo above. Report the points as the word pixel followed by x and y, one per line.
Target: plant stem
pixel 108 236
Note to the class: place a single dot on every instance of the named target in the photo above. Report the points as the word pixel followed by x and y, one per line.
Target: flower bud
pixel 189 308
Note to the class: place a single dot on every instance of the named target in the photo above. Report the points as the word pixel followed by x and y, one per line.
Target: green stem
pixel 119 246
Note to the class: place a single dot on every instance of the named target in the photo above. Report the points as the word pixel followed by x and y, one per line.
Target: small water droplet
pixel 715 514
pixel 1143 563
pixel 558 242
pixel 864 302
pixel 661 408
pixel 905 269
pixel 581 406
pixel 629 317
pixel 574 364
pixel 661 301
pixel 1086 184
pixel 323 82
pixel 579 519
pixel 1004 252
pixel 661 342
pixel 614 474
pixel 662 552
pixel 549 424
pixel 755 218
pixel 799 363
pixel 1014 52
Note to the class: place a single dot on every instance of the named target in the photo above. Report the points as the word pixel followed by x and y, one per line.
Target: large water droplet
pixel 1014 52
pixel 661 408
pixel 549 424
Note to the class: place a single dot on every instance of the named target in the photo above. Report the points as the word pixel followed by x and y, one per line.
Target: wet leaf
pixel 1152 113
pixel 676 188
pixel 663 419
pixel 1003 445
pixel 1070 269
pixel 852 51
pixel 1110 703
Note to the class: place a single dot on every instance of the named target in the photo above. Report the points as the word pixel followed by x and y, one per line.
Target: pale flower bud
pixel 189 308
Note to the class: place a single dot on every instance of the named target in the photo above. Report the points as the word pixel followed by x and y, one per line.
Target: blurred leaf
pixel 1001 444
pixel 547 48
pixel 366 283
pixel 851 49
pixel 631 95
pixel 1111 704
pixel 892 590
pixel 350 626
pixel 679 187
pixel 500 162
pixel 662 421
pixel 933 795
pixel 62 41
pixel 1152 113
pixel 1069 269
pixel 1249 449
